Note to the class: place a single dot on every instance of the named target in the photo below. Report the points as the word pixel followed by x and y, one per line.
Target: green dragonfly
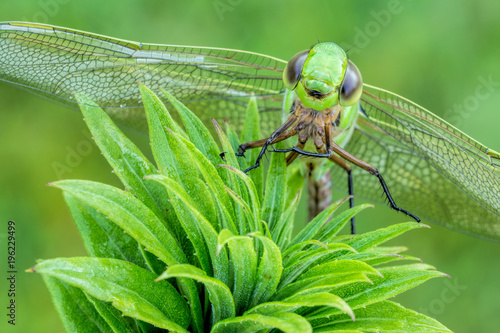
pixel 431 168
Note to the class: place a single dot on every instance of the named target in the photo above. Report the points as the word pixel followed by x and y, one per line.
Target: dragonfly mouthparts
pixel 315 94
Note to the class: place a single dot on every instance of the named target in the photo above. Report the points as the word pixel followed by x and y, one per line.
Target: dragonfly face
pixel 323 77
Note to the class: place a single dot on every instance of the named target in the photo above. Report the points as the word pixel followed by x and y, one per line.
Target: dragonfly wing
pixel 432 169
pixel 215 83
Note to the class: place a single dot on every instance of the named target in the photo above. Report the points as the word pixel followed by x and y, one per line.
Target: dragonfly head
pixel 323 77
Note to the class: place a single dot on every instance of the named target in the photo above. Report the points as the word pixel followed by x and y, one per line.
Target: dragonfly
pixel 429 167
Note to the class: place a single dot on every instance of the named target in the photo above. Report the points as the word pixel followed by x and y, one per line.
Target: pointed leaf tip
pixel 215 122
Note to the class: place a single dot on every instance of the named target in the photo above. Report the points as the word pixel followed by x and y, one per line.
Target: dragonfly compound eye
pixel 293 69
pixel 352 86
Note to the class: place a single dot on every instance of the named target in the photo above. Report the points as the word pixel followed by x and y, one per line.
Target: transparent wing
pixel 432 169
pixel 215 83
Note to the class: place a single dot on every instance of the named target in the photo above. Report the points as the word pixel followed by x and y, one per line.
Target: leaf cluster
pixel 192 244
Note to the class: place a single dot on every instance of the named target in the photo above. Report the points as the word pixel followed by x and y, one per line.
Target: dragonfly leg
pixel 362 164
pixel 249 145
pixel 347 167
pixel 301 152
pixel 322 152
pixel 293 155
pixel 279 135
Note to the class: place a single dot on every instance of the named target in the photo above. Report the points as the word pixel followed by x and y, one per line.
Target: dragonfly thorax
pixel 311 123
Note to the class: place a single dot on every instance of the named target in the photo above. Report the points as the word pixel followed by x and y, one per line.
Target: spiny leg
pixel 250 145
pixel 293 155
pixel 365 166
pixel 279 135
pixel 344 165
pixel 301 152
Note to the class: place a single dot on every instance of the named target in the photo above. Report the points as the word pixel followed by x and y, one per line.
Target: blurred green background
pixel 432 52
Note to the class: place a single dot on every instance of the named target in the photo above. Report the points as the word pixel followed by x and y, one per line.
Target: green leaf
pixel 389 249
pixel 131 289
pixel 77 313
pixel 294 303
pixel 312 228
pixel 273 204
pixel 326 233
pixel 374 259
pixel 244 260
pixel 419 265
pixel 304 261
pixel 202 234
pixel 294 182
pixel 234 140
pixel 170 154
pixel 155 265
pixel 114 317
pixel 286 322
pixel 395 280
pixel 154 107
pixel 198 133
pixel 251 220
pixel 338 267
pixel 385 316
pixel 269 271
pixel 369 240
pixel 127 161
pixel 143 225
pixel 182 203
pixel 219 294
pixel 324 283
pixel 229 155
pixel 159 120
pixel 251 132
pixel 282 232
pixel 101 237
pixel 215 183
pixel 232 181
pixel 253 198
pixel 130 214
pixel 293 251
pixel 190 178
